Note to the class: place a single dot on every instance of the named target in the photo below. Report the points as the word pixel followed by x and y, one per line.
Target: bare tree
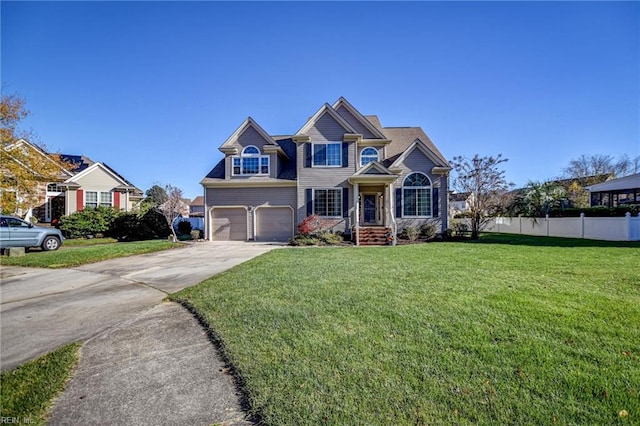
pixel 482 177
pixel 172 207
pixel 600 167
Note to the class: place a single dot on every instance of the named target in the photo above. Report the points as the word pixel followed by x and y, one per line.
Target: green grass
pixel 87 241
pixel 74 256
pixel 28 390
pixel 501 331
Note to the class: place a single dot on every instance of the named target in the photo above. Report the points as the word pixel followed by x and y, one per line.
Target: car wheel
pixel 50 243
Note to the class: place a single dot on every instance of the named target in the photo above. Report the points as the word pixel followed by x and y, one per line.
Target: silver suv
pixel 16 232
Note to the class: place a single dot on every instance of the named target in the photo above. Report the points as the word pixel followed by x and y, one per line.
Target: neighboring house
pixel 196 209
pixel 360 178
pixel 85 183
pixel 616 192
pixel 459 202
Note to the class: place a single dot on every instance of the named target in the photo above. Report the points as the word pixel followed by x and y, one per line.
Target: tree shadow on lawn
pixel 529 240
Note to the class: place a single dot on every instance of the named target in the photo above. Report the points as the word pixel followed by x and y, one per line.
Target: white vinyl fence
pixel 595 228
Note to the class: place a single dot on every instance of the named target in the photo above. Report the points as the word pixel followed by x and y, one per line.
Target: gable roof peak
pixel 326 109
pixel 227 146
pixel 342 102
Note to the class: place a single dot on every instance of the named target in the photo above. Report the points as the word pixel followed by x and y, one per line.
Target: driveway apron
pixel 132 338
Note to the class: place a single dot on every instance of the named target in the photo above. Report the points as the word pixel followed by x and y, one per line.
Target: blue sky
pixel 154 88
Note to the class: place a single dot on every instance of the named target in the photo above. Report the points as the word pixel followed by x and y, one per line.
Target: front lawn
pixel 27 391
pixel 74 256
pixel 504 331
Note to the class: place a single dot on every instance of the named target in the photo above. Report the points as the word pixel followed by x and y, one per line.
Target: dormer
pixel 251 152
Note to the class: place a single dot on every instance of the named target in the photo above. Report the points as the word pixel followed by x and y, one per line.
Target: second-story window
pixel 327 154
pixel 368 155
pixel 250 162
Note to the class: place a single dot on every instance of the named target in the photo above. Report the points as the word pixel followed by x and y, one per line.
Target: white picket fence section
pixel 595 228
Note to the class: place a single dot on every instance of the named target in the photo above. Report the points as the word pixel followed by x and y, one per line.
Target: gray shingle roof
pixel 403 137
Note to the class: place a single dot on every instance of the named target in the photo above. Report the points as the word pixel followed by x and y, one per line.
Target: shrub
pixel 138 227
pixel 89 221
pixel 304 240
pixel 459 227
pixel 310 225
pixel 411 232
pixel 428 230
pixel 184 227
pixel 330 239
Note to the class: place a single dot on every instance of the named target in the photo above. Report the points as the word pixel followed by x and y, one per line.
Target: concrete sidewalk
pixel 158 368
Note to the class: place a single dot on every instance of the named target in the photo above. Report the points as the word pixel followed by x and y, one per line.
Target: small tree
pixel 172 207
pixel 24 167
pixel 155 196
pixel 537 199
pixel 482 177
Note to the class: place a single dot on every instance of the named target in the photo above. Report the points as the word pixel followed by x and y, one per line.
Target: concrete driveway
pixel 42 309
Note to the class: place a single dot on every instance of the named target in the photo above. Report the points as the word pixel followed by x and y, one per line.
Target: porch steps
pixel 374 236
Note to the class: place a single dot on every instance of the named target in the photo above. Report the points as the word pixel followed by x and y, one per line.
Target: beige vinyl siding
pixel 97 180
pixel 355 123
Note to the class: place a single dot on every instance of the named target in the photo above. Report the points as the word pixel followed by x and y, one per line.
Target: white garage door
pixel 229 224
pixel 274 223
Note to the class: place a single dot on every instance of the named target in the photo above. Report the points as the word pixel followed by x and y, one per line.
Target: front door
pixel 369 209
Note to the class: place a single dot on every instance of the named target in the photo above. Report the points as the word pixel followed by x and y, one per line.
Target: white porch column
pixel 356 213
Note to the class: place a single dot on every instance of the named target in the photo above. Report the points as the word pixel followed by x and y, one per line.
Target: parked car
pixel 16 232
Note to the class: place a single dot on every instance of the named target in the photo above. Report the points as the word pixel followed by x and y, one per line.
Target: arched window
pixel 250 162
pixel 250 150
pixel 416 195
pixel 368 155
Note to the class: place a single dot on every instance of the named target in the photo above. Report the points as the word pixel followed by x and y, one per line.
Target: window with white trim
pixel 250 162
pixel 327 202
pixel 368 155
pixel 416 196
pixel 93 199
pixel 327 154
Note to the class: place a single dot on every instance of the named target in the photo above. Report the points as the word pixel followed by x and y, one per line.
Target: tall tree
pixel 26 168
pixel 483 178
pixel 156 195
pixel 172 207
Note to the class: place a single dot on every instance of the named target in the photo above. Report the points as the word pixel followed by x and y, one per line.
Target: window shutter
pixel 345 154
pixel 398 202
pixel 309 200
pixel 307 155
pixel 435 202
pixel 116 199
pixel 345 202
pixel 79 200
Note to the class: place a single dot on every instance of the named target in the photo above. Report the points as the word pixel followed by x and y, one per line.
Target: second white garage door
pixel 229 224
pixel 274 223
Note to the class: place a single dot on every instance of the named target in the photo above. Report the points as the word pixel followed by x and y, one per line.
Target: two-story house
pixel 360 178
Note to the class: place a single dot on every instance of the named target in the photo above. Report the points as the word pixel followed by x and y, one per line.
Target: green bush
pixel 89 221
pixel 304 240
pixel 410 233
pixel 139 227
pixel 428 230
pixel 460 228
